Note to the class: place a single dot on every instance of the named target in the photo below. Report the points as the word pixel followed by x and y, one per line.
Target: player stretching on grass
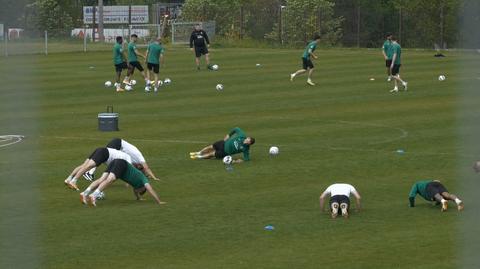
pixel 132 151
pixel 340 198
pixel 119 169
pixel 433 190
pixel 133 62
pixel 395 65
pixel 119 62
pixel 234 142
pixel 199 43
pixel 154 58
pixel 307 61
pixel 99 156
pixel 387 51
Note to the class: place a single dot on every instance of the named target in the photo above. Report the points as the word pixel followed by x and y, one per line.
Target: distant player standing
pixel 133 62
pixel 199 43
pixel 433 190
pixel 340 198
pixel 154 58
pixel 387 51
pixel 395 65
pixel 119 62
pixel 307 61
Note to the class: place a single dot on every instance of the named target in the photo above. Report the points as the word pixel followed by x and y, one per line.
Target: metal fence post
pixel 5 37
pixel 46 43
pixel 84 38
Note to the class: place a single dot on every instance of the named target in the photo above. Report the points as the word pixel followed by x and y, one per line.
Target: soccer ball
pixel 273 150
pixel 215 67
pixel 258 65
pixel 108 84
pixel 219 87
pixel 147 89
pixel 133 82
pixel 128 88
pixel 441 78
pixel 227 159
pixel 167 81
pixel 101 196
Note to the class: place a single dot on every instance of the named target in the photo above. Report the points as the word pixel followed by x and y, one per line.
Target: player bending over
pixel 154 58
pixel 99 156
pixel 387 51
pixel 395 65
pixel 234 142
pixel 433 190
pixel 307 61
pixel 125 171
pixel 119 62
pixel 340 198
pixel 133 62
pixel 199 43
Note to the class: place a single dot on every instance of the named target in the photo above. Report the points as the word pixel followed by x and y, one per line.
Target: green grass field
pixel 345 129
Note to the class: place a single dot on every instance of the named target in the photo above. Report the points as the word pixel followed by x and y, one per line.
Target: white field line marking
pixel 145 140
pixel 13 138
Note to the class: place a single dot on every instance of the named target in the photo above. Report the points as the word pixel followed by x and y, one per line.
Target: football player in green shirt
pixel 395 65
pixel 388 54
pixel 307 61
pixel 433 190
pixel 154 58
pixel 133 62
pixel 119 168
pixel 119 62
pixel 234 142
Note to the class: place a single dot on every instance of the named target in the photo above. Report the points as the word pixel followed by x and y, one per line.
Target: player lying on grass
pixel 340 199
pixel 99 156
pixel 199 44
pixel 433 190
pixel 125 171
pixel 154 58
pixel 134 153
pixel 396 64
pixel 307 61
pixel 387 51
pixel 234 142
pixel 119 62
pixel 133 62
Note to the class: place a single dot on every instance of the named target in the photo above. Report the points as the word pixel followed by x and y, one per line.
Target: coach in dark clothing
pixel 199 43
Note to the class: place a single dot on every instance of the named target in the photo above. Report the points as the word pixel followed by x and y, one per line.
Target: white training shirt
pixel 117 154
pixel 133 151
pixel 340 189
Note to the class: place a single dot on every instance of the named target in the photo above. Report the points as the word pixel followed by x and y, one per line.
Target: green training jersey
pixel 396 49
pixel 117 54
pixel 388 49
pixel 134 177
pixel 309 49
pixel 235 145
pixel 420 187
pixel 132 56
pixel 154 51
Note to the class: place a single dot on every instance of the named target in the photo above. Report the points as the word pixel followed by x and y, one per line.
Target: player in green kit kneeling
pixel 154 58
pixel 234 142
pixel 307 61
pixel 433 190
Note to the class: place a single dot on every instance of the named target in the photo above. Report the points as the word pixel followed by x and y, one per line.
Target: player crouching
pixel 340 199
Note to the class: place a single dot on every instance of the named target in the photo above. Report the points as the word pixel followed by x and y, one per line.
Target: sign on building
pixel 116 14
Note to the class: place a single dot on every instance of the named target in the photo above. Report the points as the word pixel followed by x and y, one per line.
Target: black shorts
pixel 388 63
pixel 115 143
pixel 307 63
pixel 117 167
pixel 340 199
pixel 154 67
pixel 219 148
pixel 133 65
pixel 99 156
pixel 201 50
pixel 433 188
pixel 396 69
pixel 120 67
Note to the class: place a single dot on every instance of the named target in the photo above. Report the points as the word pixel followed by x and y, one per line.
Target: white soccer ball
pixel 128 88
pixel 441 78
pixel 133 82
pixel 108 84
pixel 219 87
pixel 258 65
pixel 273 150
pixel 167 81
pixel 227 159
pixel 101 196
pixel 215 67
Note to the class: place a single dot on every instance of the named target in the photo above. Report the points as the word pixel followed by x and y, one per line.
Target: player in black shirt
pixel 199 39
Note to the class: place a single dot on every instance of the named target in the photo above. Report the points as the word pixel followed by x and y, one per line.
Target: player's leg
pixel 388 63
pixel 99 156
pixel 110 178
pixel 156 71
pixel 453 197
pixel 309 80
pixel 334 206
pixel 92 186
pixel 207 58
pixel 198 54
pixel 344 205
pixel 130 71
pixel 205 150
pixel 197 62
pixel 118 74
pixel 74 172
pixel 140 68
pixel 300 71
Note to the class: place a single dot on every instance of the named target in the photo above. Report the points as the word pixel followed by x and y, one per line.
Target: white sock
pixel 73 180
pixel 458 201
pixel 92 171
pixel 69 178
pixel 87 191
pixel 95 193
pixel 443 201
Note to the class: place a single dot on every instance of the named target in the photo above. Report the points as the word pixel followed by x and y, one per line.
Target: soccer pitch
pixel 348 128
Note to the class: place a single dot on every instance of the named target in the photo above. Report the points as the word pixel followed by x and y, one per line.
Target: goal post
pixel 181 31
